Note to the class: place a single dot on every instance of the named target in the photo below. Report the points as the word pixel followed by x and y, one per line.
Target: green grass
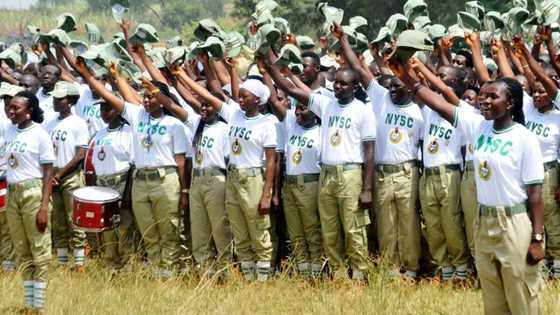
pixel 94 292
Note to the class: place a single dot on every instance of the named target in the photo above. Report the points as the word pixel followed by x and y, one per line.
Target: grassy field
pixel 95 292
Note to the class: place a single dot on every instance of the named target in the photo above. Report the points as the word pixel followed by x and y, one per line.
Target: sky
pixel 16 4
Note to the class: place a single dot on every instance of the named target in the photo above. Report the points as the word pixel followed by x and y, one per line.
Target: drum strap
pixel 89 170
pixel 127 193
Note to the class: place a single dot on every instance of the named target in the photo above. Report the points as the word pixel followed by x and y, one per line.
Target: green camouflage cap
pixel 213 45
pixel 66 22
pixel 94 34
pixel 384 36
pixel 296 68
pixel 358 23
pixel 520 3
pixel 415 8
pixel 468 22
pixel 63 89
pixel 266 5
pixel 233 43
pixel 59 36
pixel 397 23
pixel 119 9
pixel 514 20
pixel 174 41
pixel 145 33
pixel 20 50
pixel 288 54
pixel 207 28
pixel 436 31
pixel 475 8
pixel 175 55
pixel 490 64
pixel 32 29
pixel 409 42
pixel 547 11
pixel 331 15
pixel 2 46
pixel 305 42
pixel 78 46
pixel 261 18
pixel 282 25
pixel 352 39
pixel 267 36
pixel 421 23
pixel 98 71
pixel 493 21
pixel 362 43
pixel 7 89
pixel 156 56
pixel 191 49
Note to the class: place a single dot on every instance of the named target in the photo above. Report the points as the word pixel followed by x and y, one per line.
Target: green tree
pixel 177 13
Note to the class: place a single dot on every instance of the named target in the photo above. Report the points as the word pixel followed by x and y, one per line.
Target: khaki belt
pixel 249 171
pixel 208 172
pixel 492 211
pixel 154 173
pixel 306 178
pixel 26 184
pixel 112 180
pixel 469 167
pixel 343 167
pixel 550 165
pixel 437 170
pixel 395 168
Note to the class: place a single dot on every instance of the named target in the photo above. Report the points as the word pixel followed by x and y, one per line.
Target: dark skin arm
pixel 299 94
pixel 183 89
pixel 231 65
pixel 436 82
pixel 127 92
pixel 278 108
pixel 366 196
pixel 537 70
pixel 152 70
pixel 350 57
pixel 270 170
pixel 135 58
pixel 278 179
pixel 546 36
pixel 6 76
pixel 502 59
pixel 473 41
pixel 199 90
pixel 42 219
pixel 70 166
pixel 174 108
pixel 183 197
pixel 536 213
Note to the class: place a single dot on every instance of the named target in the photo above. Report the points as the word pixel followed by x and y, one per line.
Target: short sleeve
pixel 367 128
pixel 180 139
pixel 532 170
pixel 528 102
pixel 318 102
pixel 81 135
pixel 46 149
pixel 377 95
pixel 131 112
pixel 228 109
pixel 556 100
pixel 270 139
pixel 467 122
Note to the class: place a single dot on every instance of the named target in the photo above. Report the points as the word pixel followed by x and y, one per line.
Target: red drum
pixel 3 194
pixel 96 209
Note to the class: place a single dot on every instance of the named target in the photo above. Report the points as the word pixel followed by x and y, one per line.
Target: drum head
pixel 96 194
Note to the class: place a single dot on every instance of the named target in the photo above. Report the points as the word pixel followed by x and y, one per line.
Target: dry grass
pixel 94 292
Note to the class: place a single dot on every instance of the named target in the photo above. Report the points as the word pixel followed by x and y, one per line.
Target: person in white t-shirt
pixel 509 176
pixel 210 227
pixel 250 179
pixel 70 137
pixel 112 158
pixel 346 180
pixel 30 159
pixel 159 190
pixel 49 76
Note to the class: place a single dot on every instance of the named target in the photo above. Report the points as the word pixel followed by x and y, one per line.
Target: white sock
pixel 316 269
pixel 62 256
pixel 8 265
pixel 28 293
pixel 410 274
pixel 447 273
pixel 39 290
pixel 263 270
pixel 248 270
pixel 556 269
pixel 304 269
pixel 461 272
pixel 79 256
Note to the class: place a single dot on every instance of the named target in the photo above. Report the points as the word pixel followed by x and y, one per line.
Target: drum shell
pixel 3 195
pixel 96 216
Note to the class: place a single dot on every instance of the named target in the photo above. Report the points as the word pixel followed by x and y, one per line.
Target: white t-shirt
pixel 87 108
pixel 213 146
pixel 469 148
pixel 399 127
pixel 546 127
pixel 5 124
pixel 67 135
pixel 113 150
pixel 301 146
pixel 248 136
pixel 343 129
pixel 156 141
pixel 505 161
pixel 26 150
pixel 442 143
pixel 46 104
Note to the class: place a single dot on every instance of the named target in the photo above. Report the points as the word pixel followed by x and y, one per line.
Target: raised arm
pixel 502 60
pixel 546 36
pixel 231 65
pixel 135 58
pixel 127 92
pixel 473 41
pixel 277 108
pixel 197 89
pixel 350 56
pixel 299 94
pixel 99 87
pixel 174 108
pixel 436 82
pixel 152 70
pixel 537 70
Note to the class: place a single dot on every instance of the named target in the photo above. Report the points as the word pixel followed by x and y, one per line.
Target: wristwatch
pixel 537 237
pixel 184 191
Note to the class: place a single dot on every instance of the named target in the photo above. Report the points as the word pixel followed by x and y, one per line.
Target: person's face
pixel 7 99
pixel 540 97
pixel 108 113
pixel 18 112
pixel 248 102
pixel 207 112
pixel 459 61
pixel 471 97
pixel 310 71
pixel 304 116
pixel 29 83
pixel 61 104
pixel 553 76
pixel 494 102
pixel 17 75
pixel 397 90
pixel 49 76
pixel 447 76
pixel 151 105
pixel 283 98
pixel 344 86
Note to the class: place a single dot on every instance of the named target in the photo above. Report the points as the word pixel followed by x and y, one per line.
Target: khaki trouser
pixel 63 230
pixel 119 245
pixel 211 233
pixel 509 285
pixel 439 196
pixel 469 205
pixel 343 223
pixel 6 246
pixel 251 231
pixel 398 222
pixel 155 203
pixel 551 214
pixel 33 248
pixel 301 211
